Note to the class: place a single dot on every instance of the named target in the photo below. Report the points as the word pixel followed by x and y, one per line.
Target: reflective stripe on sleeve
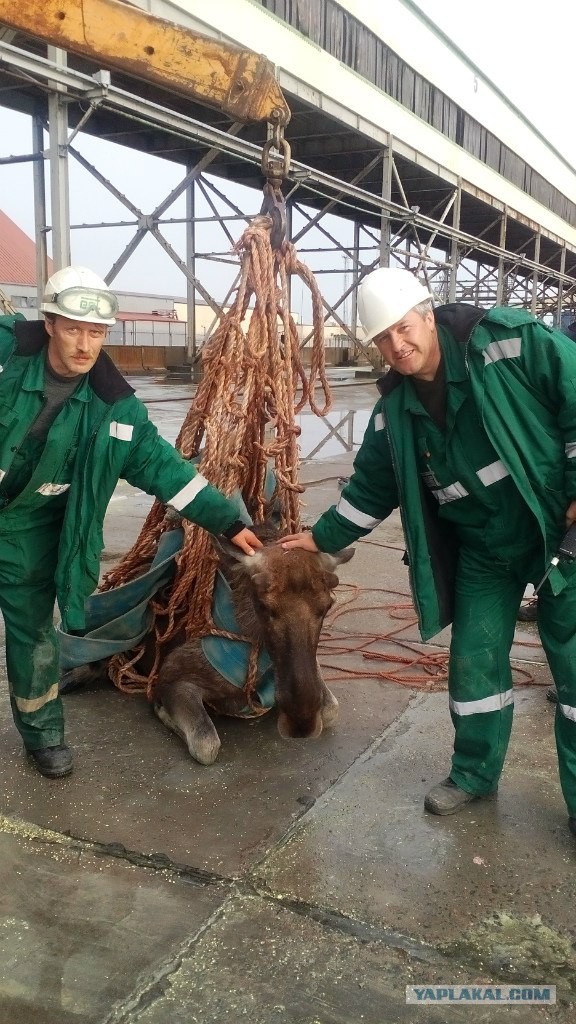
pixel 570 450
pixel 188 493
pixel 378 421
pixel 122 431
pixel 507 348
pixel 353 515
pixel 492 473
pixel 568 711
pixel 480 707
pixel 450 493
pixel 2 474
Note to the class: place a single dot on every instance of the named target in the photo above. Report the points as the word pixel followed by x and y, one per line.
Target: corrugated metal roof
pixel 17 254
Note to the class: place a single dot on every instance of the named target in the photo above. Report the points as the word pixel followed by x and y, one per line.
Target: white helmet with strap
pixel 385 296
pixel 77 293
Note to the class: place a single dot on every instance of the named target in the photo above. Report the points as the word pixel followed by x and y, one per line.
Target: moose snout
pixel 298 727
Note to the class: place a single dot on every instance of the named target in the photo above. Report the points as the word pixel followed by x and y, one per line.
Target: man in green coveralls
pixel 474 439
pixel 70 428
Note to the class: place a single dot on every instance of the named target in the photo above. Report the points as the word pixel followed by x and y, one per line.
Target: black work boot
pixel 54 762
pixel 447 798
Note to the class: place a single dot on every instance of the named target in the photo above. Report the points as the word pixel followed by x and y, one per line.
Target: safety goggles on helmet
pixel 79 302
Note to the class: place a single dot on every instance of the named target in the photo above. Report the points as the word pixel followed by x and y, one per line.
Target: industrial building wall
pixel 337 31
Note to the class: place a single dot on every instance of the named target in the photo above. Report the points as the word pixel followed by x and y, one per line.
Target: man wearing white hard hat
pixel 70 428
pixel 474 439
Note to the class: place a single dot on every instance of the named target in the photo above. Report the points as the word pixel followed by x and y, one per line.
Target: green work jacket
pixel 523 381
pixel 113 438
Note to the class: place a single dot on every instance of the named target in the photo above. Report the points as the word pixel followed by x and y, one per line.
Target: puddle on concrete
pixel 322 437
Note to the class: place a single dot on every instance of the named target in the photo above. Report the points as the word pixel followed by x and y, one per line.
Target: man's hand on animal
pixel 247 541
pixel 300 540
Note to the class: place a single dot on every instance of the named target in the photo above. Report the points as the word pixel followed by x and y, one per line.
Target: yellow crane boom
pixel 119 36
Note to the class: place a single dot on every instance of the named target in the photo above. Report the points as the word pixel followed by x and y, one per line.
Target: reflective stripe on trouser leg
pixel 32 664
pixel 27 565
pixel 557 627
pixel 488 594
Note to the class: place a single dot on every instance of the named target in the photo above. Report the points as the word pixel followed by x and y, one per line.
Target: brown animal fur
pixel 280 599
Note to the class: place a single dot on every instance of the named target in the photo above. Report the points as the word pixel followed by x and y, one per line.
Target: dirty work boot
pixel 54 762
pixel 447 798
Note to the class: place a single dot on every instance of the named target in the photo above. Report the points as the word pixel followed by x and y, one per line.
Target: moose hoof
pixel 329 710
pixel 202 739
pixel 205 750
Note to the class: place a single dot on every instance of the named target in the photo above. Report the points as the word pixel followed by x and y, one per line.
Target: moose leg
pixel 179 706
pixel 93 672
pixel 329 707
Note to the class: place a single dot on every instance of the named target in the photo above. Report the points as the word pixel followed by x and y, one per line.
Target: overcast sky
pixel 525 46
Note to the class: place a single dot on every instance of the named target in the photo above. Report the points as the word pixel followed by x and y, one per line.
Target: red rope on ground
pixel 418 669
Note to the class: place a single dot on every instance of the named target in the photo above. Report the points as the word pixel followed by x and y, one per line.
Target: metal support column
pixel 454 251
pixel 59 183
pixel 502 244
pixel 477 284
pixel 385 231
pixel 534 296
pixel 560 301
pixel 191 266
pixel 355 277
pixel 39 179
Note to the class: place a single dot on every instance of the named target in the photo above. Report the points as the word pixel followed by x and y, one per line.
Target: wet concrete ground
pixel 289 881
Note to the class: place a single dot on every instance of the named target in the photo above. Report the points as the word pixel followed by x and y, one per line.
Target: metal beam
pixel 59 182
pixel 40 226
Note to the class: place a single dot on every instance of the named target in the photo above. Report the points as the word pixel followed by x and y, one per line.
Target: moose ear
pixel 331 562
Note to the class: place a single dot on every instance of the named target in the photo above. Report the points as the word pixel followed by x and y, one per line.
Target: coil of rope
pixel 241 421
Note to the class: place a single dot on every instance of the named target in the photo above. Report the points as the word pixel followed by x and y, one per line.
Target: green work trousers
pixel 31 514
pixel 28 560
pixel 488 595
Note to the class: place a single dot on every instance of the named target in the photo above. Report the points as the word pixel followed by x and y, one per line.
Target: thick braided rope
pixel 242 419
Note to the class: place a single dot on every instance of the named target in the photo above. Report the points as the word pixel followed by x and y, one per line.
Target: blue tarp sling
pixel 117 620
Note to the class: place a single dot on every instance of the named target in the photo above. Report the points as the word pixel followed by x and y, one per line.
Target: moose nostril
pixel 299 729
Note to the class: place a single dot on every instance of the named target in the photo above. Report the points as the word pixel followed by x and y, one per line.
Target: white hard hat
pixel 385 296
pixel 77 293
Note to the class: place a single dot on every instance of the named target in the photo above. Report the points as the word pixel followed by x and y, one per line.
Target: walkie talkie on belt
pixel 566 553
